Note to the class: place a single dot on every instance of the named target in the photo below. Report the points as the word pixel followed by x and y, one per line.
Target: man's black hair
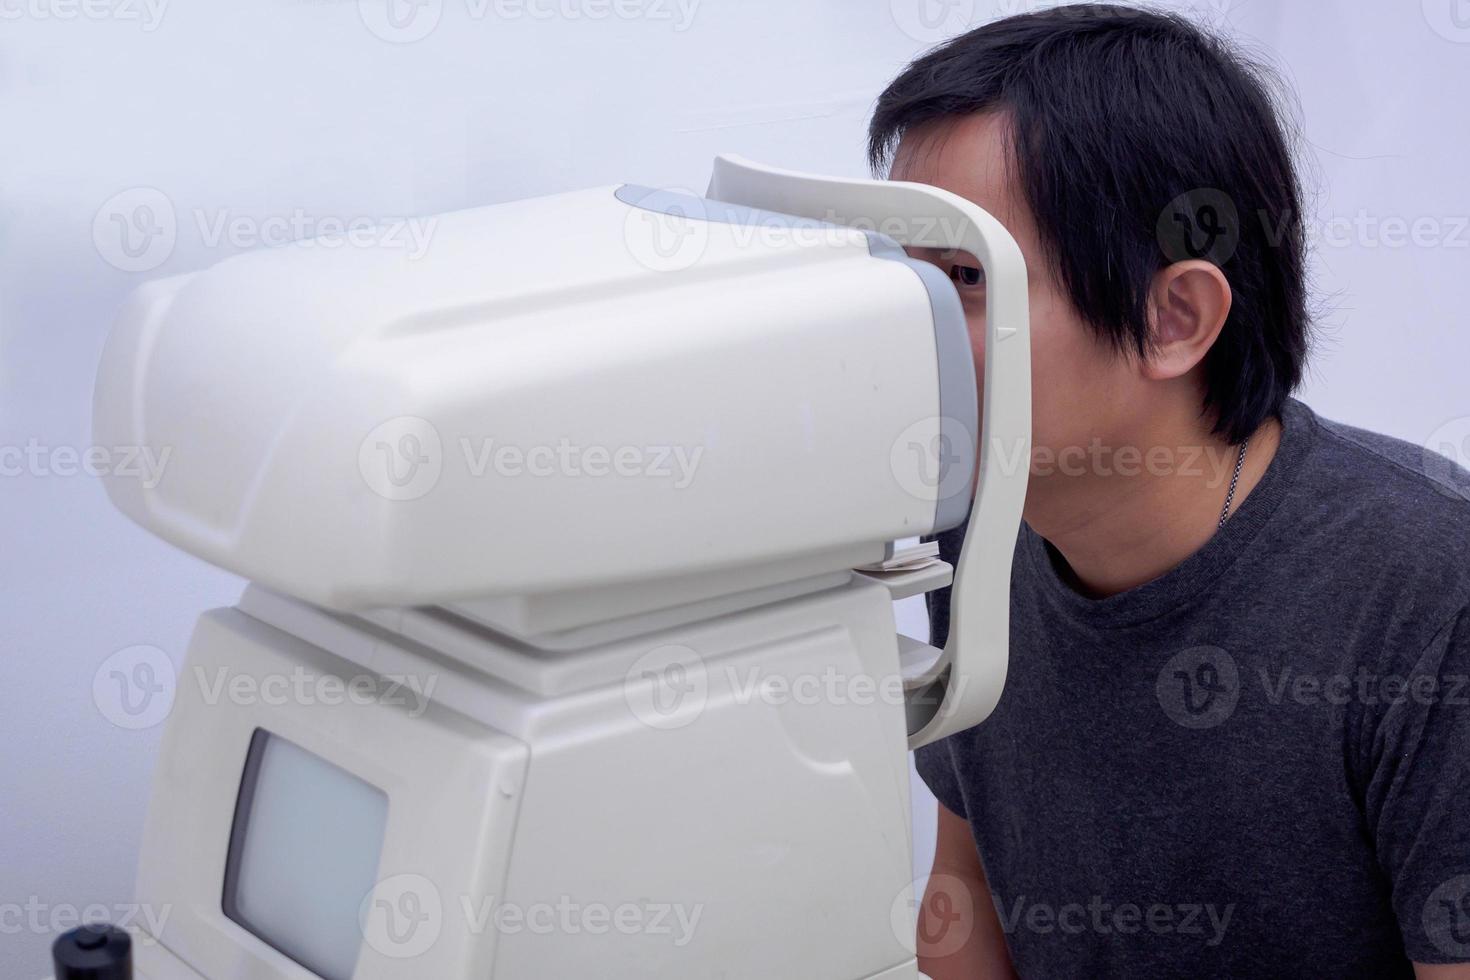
pixel 1139 140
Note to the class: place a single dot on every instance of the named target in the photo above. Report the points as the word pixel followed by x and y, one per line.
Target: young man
pixel 1235 737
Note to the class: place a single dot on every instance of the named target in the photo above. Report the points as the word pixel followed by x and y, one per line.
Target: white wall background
pixel 278 109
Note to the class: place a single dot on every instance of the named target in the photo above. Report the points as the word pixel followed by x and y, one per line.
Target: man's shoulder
pixel 1397 511
pixel 1392 484
pixel 1415 470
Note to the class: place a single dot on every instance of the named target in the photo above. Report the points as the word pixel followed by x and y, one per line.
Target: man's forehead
pixel 966 155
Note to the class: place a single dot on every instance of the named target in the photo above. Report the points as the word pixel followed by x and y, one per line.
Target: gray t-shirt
pixel 1256 765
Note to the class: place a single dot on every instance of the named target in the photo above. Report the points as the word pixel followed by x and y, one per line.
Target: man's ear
pixel 1187 304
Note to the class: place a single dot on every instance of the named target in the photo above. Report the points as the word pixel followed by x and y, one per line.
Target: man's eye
pixel 967 275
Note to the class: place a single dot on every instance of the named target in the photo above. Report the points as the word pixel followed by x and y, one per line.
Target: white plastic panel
pixel 331 415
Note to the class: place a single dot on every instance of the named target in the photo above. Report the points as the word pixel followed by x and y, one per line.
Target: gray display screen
pixel 303 855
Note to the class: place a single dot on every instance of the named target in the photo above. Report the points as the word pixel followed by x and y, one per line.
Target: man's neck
pixel 1119 531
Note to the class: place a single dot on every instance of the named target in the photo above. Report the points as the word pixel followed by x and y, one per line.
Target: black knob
pixel 96 951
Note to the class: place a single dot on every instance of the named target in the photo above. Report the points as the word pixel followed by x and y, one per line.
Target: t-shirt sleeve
pixel 937 767
pixel 1416 793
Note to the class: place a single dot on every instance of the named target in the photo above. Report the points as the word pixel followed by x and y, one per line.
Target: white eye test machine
pixel 557 536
